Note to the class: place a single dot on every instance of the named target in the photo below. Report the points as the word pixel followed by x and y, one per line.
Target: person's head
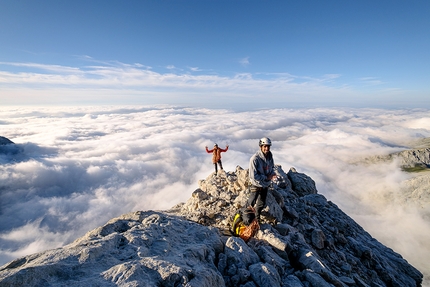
pixel 215 145
pixel 265 144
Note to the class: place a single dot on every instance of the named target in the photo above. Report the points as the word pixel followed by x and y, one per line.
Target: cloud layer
pixel 78 167
pixel 95 82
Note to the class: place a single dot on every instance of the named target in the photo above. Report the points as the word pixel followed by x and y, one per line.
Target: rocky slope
pixel 416 158
pixel 415 191
pixel 304 240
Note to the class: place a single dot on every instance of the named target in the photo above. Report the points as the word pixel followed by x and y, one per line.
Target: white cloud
pixel 81 166
pixel 244 61
pixel 331 77
pixel 119 83
pixel 418 124
pixel 44 67
pixel 371 81
pixel 195 69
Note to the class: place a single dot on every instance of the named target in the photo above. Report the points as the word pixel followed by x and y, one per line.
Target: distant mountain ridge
pixel 8 147
pixel 410 159
pixel 5 141
pixel 304 240
pixel 415 158
pixel 416 189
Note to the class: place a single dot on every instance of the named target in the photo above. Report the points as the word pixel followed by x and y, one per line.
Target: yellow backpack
pixel 244 224
pixel 237 226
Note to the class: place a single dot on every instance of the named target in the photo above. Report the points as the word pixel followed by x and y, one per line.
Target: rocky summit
pixel 304 240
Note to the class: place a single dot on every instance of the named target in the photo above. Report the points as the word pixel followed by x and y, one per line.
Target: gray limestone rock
pixel 414 158
pixel 318 238
pixel 291 281
pixel 239 252
pixel 304 240
pixel 301 183
pixel 265 275
pixel 135 249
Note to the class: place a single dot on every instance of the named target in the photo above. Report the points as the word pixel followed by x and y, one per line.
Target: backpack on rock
pixel 245 225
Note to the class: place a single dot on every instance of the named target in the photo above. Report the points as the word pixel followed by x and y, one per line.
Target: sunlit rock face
pixel 415 190
pixel 304 240
pixel 412 159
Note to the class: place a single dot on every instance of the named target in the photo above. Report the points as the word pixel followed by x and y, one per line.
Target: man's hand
pixel 272 177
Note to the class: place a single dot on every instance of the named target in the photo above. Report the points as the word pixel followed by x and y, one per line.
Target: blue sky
pixel 208 53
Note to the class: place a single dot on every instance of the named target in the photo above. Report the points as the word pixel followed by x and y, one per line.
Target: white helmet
pixel 265 141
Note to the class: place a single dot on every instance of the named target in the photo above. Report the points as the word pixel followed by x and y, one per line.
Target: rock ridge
pixel 409 160
pixel 304 241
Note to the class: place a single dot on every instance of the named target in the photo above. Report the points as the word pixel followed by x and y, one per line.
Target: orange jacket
pixel 216 153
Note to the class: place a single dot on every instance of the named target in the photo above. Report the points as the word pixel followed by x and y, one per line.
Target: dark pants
pixel 257 199
pixel 220 166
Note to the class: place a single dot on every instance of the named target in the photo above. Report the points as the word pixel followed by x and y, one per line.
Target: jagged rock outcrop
pixel 415 191
pixel 414 158
pixel 8 147
pixel 410 159
pixel 5 141
pixel 304 240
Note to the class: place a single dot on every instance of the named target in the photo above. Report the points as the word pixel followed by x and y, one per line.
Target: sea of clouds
pixel 78 167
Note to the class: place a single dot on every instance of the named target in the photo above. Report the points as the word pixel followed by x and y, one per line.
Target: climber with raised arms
pixel 216 156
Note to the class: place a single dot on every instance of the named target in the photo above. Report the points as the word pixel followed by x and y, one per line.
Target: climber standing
pixel 216 156
pixel 261 173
